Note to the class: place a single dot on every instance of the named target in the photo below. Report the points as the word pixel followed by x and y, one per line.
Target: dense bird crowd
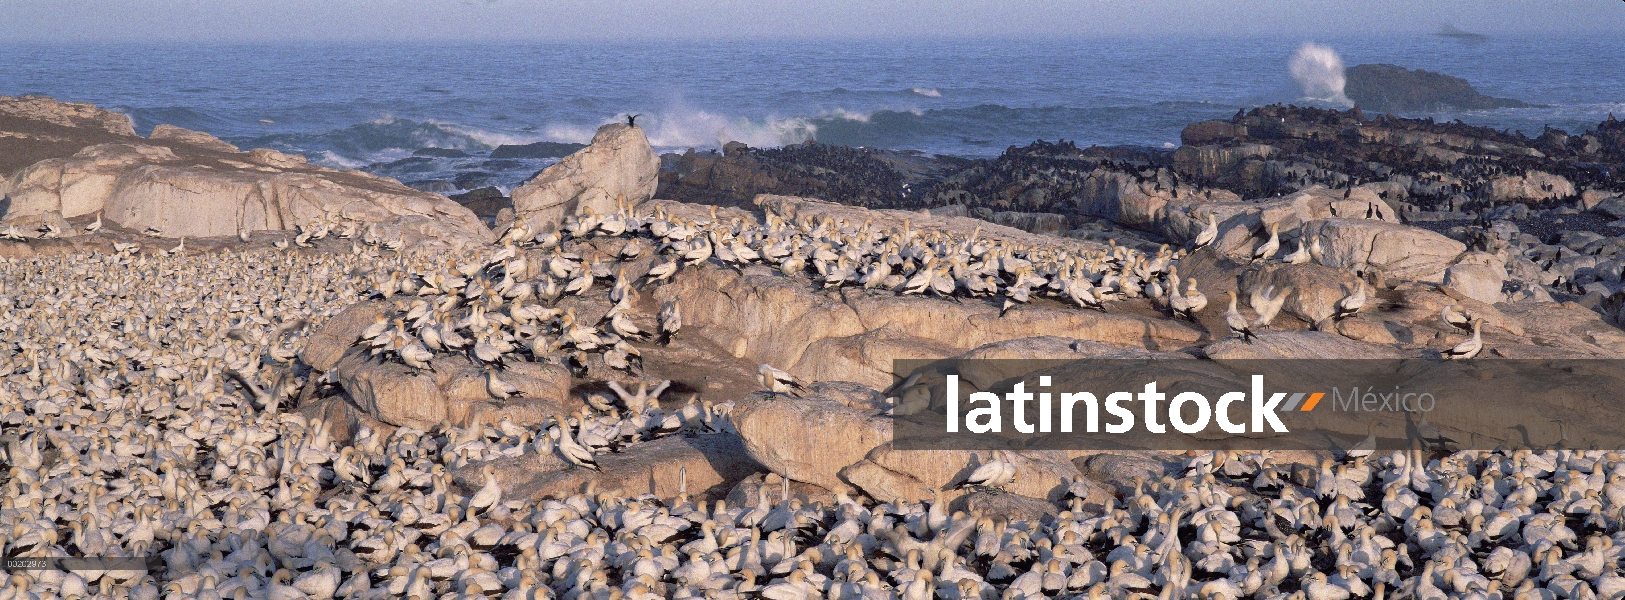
pixel 506 307
pixel 144 411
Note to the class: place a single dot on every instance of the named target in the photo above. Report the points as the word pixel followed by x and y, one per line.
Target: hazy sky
pixel 237 20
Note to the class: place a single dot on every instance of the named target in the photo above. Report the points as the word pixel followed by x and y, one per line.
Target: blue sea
pixel 371 105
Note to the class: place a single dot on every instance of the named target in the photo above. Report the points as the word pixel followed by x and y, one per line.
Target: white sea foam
pixel 329 158
pixel 489 138
pixel 927 92
pixel 685 128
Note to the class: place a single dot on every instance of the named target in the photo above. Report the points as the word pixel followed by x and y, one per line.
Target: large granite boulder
pixel 807 439
pixel 1396 250
pixel 1534 185
pixel 856 334
pixel 452 391
pixel 392 392
pixel 1479 276
pixel 619 167
pixel 189 183
pixel 1243 226
pixel 82 183
pixel 1315 288
pixel 326 345
pixel 1201 156
pixel 1127 200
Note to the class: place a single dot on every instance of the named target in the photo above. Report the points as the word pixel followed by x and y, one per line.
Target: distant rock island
pixel 1392 88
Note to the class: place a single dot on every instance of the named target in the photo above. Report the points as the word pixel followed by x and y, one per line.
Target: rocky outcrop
pixel 618 167
pixel 189 183
pixel 807 439
pixel 1299 344
pixel 325 346
pixel 1146 205
pixel 1392 88
pixel 536 150
pixel 1479 276
pixel 1395 250
pixel 831 442
pixel 888 472
pixel 1535 185
pixel 452 392
pixel 34 128
pixel 194 138
pixel 710 465
pixel 1245 225
pixel 855 335
pixel 392 392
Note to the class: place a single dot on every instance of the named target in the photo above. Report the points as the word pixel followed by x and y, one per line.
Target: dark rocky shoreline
pixel 1268 151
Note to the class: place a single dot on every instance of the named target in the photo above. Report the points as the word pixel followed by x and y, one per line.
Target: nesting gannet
pixel 1268 248
pixel 996 472
pixel 1348 305
pixel 498 388
pixel 779 382
pixel 671 321
pixel 1299 256
pixel 1368 445
pixel 1471 347
pixel 1268 306
pixel 1238 324
pixel 1208 233
pixel 572 451
pixel 1454 316
pixel 1188 302
pixel 488 495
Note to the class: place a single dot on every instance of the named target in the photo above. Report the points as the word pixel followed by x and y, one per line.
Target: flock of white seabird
pixel 142 412
pixel 507 307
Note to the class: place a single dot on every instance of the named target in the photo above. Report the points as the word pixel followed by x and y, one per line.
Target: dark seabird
pixel 632 120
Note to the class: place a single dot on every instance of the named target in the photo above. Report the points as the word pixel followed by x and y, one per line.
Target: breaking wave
pixel 385 139
pixel 1318 70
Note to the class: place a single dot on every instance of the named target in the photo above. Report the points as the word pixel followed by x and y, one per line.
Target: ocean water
pixel 369 106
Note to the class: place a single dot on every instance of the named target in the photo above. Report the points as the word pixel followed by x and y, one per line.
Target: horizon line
pixel 702 38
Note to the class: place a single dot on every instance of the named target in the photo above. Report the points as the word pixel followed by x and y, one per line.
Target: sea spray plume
pixel 1319 73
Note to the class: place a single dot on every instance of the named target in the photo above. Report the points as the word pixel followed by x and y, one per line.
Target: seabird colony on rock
pixel 123 437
